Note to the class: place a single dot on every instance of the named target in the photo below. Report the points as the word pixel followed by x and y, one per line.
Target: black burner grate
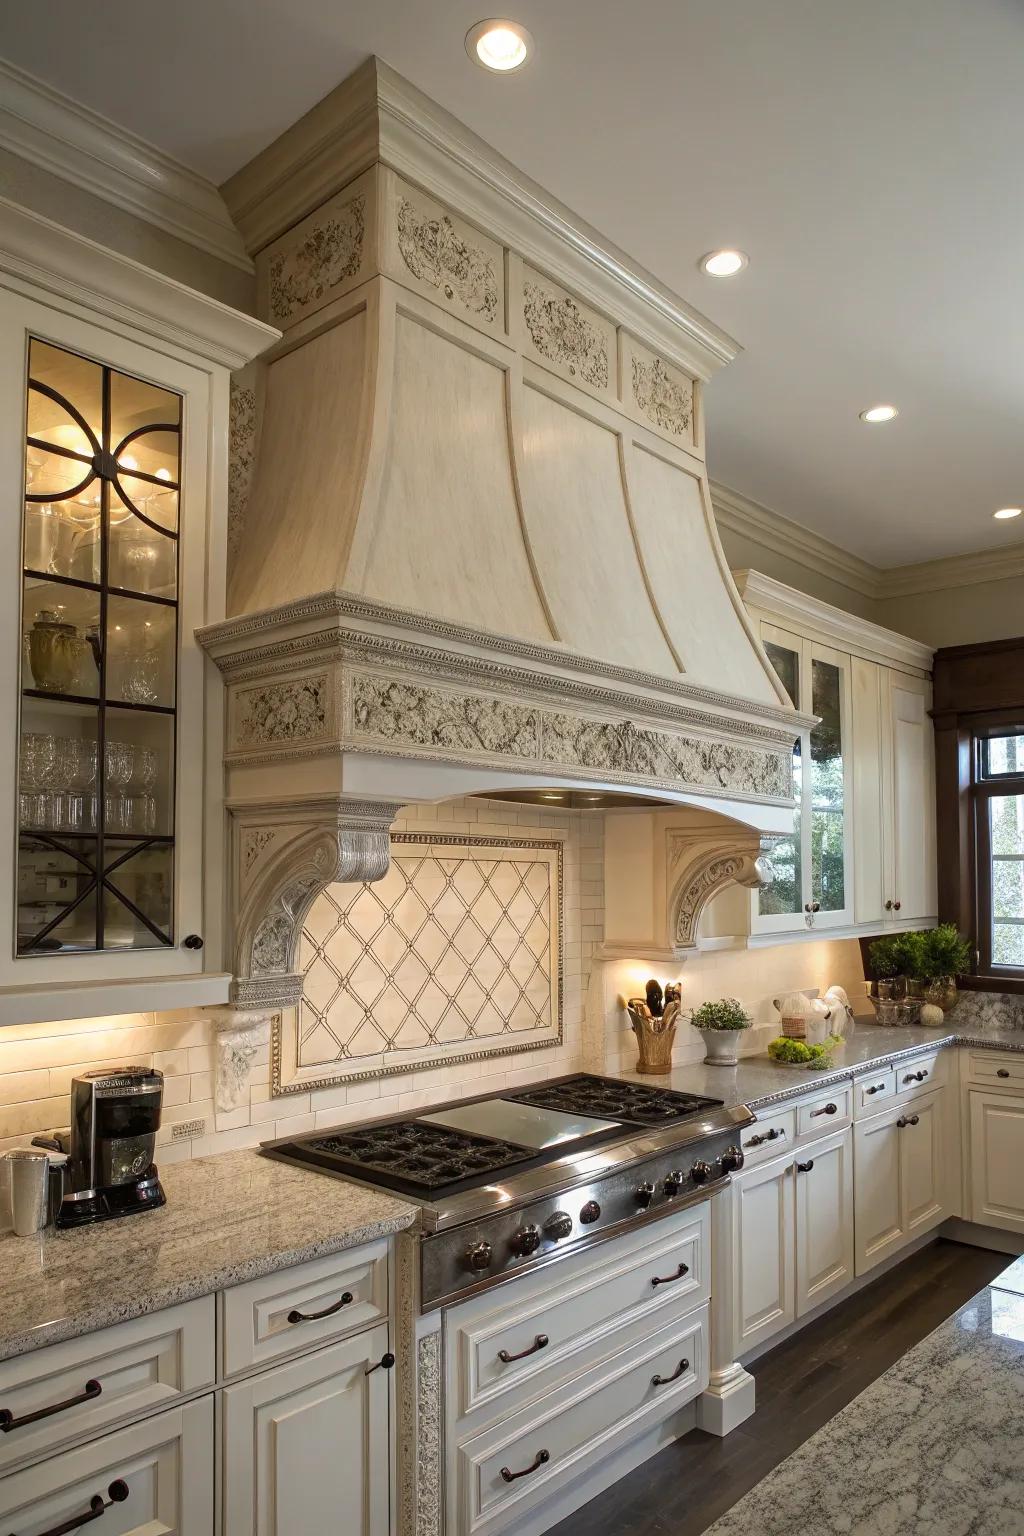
pixel 417 1157
pixel 608 1098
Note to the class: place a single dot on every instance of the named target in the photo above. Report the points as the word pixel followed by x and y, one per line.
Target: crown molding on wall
pixel 778 601
pixel 738 514
pixel 749 519
pixel 69 140
pixel 36 251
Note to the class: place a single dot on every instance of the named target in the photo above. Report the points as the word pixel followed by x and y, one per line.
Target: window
pixel 999 833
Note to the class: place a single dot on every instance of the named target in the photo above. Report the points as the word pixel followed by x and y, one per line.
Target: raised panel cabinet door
pixel 824 1220
pixel 997 1158
pixel 877 1202
pixel 306 1445
pixel 154 1478
pixel 765 1258
pixel 911 748
pixel 923 1183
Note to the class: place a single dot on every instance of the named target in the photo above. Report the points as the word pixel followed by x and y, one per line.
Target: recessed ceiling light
pixel 876 413
pixel 499 45
pixel 723 263
pixel 1005 513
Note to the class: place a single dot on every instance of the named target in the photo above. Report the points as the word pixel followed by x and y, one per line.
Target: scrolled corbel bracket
pixel 697 878
pixel 283 858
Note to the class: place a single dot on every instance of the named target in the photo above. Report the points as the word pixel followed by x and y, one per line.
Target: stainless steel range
pixel 509 1183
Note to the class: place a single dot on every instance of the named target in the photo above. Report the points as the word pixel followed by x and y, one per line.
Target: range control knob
pixel 478 1257
pixel 558 1226
pixel 732 1159
pixel 701 1172
pixel 674 1183
pixel 590 1213
pixel 525 1241
pixel 643 1195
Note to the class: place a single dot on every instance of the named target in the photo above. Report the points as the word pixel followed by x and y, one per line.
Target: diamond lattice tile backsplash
pixel 455 953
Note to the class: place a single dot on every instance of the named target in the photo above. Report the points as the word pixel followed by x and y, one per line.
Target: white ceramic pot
pixel 721 1046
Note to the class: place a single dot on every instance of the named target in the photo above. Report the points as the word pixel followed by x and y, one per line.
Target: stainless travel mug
pixel 29 1173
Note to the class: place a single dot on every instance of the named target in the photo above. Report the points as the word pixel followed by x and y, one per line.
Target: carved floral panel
pixel 436 253
pixel 456 952
pixel 313 262
pixel 270 714
pixel 242 424
pixel 421 716
pixel 565 333
pixel 664 396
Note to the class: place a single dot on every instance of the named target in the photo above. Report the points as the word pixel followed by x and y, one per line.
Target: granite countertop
pixel 758 1081
pixel 228 1218
pixel 935 1447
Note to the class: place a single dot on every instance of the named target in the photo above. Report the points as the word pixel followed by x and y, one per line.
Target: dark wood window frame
pixel 979 694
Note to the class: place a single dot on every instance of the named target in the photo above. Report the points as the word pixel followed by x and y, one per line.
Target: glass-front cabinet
pixel 105 572
pixel 811 885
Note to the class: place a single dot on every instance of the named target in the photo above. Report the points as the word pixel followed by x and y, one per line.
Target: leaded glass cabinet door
pixel 104 543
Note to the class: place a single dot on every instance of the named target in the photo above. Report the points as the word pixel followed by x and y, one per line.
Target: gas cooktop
pixel 474 1142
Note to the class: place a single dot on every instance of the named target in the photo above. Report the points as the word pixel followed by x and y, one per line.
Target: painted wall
pixel 54 198
pixel 745 553
pixel 968 615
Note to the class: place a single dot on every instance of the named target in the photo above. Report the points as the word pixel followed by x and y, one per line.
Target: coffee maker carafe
pixel 115 1115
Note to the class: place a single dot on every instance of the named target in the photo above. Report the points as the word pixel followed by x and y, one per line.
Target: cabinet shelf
pixel 84 699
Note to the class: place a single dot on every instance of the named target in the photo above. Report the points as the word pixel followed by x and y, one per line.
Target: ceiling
pixel 866 156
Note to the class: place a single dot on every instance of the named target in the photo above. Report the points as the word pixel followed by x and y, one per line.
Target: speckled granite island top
pixel 227 1219
pixel 935 1447
pixel 759 1081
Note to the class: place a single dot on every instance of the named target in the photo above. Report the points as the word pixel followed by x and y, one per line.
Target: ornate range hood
pixel 472 547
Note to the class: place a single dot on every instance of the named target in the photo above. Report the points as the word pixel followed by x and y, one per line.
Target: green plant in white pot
pixel 721 1024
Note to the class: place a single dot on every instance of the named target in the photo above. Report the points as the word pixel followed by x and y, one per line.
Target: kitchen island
pixel 935 1445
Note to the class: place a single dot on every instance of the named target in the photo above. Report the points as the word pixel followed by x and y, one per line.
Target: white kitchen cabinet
pixel 996 1129
pixel 113 428
pixel 793 1236
pixel 306 1444
pixel 879 786
pixel 155 1478
pixel 902 1183
pixel 824 1220
pixel 893 797
pixel 764 1244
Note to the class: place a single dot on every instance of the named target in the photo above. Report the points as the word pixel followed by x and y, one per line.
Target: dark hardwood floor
pixel 800 1385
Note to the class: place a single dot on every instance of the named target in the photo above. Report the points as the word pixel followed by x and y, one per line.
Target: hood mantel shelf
pixel 482 434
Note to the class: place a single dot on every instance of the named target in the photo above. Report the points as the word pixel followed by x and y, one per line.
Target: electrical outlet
pixel 184 1130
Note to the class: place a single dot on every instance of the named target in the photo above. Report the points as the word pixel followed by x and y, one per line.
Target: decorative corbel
pixel 707 871
pixel 284 857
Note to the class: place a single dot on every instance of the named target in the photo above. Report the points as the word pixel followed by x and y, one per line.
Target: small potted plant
pixel 945 957
pixel 721 1024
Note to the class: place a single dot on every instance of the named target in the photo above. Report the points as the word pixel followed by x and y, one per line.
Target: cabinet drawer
pixel 996 1067
pixel 295 1309
pixel 874 1092
pixel 919 1075
pixel 559 1438
pixel 827 1111
pixel 85 1385
pixel 618 1298
pixel 769 1136
pixel 162 1468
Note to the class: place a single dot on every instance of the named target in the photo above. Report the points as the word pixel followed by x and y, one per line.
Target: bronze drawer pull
pixel 915 1077
pixel 295 1316
pixel 540 1460
pixel 9 1422
pixel 540 1342
pixel 875 1088
pixel 385 1363
pixel 775 1134
pixel 826 1109
pixel 116 1494
pixel 663 1381
pixel 684 1269
pixel 903 1121
pixel 1002 1072
pixel 805 1167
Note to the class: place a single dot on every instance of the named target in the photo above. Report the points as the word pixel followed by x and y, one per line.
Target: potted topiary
pixel 945 956
pixel 721 1024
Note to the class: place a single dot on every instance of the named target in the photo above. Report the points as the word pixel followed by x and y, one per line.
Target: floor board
pixel 800 1386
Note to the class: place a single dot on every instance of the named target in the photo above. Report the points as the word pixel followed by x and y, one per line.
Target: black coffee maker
pixel 115 1115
